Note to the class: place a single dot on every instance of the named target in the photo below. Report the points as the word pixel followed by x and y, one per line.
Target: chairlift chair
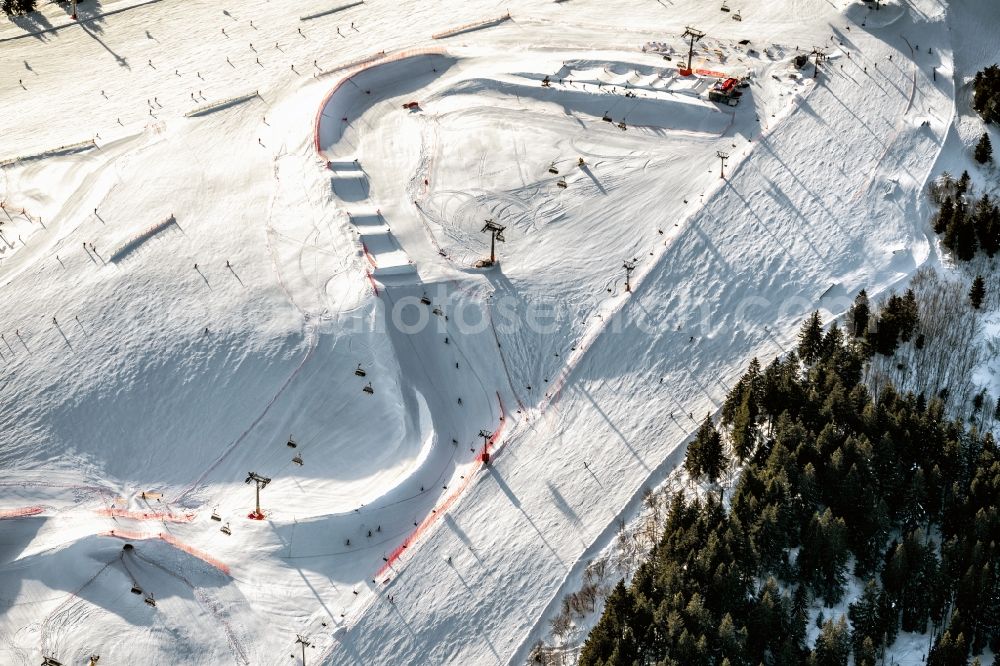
pixel 149 599
pixel 553 169
pixel 622 126
pixel 51 661
pixel 425 300
pixel 136 589
pixel 291 443
pixel 724 7
pixel 437 311
pixel 216 516
pixel 368 389
pixel 225 529
pixel 297 460
pixel 562 183
pixel 359 371
pixel 737 16
pixel 606 118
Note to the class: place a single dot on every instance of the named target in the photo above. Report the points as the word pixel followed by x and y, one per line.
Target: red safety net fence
pixel 376 60
pixel 440 510
pixel 21 512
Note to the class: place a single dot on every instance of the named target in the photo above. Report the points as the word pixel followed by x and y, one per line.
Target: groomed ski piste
pixel 222 223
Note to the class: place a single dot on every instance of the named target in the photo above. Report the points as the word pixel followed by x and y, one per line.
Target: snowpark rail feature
pixel 471 27
pixel 220 105
pixel 136 242
pixel 69 149
pixel 334 10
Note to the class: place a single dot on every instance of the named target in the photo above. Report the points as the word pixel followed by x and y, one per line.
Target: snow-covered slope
pixel 228 210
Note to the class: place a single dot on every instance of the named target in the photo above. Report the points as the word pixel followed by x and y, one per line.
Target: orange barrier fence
pixel 7 514
pixel 377 59
pixel 436 513
pixel 368 254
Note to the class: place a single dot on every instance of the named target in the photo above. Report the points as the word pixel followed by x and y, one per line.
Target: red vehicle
pixel 726 92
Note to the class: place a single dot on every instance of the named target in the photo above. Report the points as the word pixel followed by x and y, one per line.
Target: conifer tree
pixel 978 292
pixel 732 641
pixel 822 561
pixel 986 98
pixel 811 339
pixel 610 637
pixel 986 219
pixel 857 316
pixel 742 409
pixel 896 321
pixel 832 645
pixel 866 654
pixel 984 151
pixel 964 181
pixel 960 236
pixel 866 616
pixel 18 6
pixel 946 211
pixel 705 455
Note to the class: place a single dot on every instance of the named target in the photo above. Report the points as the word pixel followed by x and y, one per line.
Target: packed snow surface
pixel 248 237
